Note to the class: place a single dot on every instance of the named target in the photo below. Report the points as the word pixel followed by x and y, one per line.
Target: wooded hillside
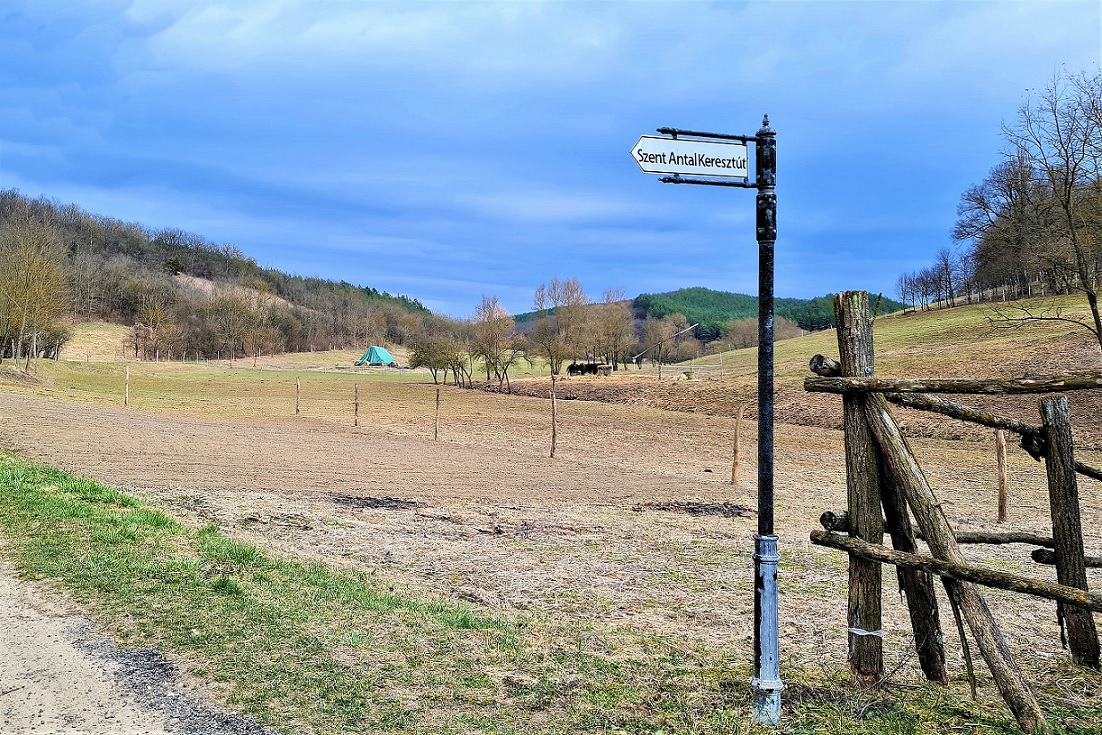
pixel 714 309
pixel 59 263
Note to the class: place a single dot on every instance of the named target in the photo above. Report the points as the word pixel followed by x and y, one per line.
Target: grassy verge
pixel 312 648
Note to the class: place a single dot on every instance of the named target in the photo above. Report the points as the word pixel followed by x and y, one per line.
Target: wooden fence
pixel 886 486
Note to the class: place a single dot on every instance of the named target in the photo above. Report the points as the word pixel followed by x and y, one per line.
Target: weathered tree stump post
pixel 855 348
pixel 356 405
pixel 1004 479
pixel 126 396
pixel 1067 528
pixel 298 395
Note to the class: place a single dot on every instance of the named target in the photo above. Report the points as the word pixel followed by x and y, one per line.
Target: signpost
pixel 699 157
pixel 721 157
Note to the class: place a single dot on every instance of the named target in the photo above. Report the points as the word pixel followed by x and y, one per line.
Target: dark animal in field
pixel 584 368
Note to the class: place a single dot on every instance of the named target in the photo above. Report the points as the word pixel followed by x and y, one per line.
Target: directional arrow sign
pixel 698 157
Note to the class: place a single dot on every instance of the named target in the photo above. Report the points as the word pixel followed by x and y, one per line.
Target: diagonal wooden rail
pixel 1033 436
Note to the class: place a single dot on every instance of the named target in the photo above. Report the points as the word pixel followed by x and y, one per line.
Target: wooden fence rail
pixel 987 386
pixel 962 572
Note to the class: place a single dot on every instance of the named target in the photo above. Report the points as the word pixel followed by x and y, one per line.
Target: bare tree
pixel 494 339
pixel 658 336
pixel 560 330
pixel 615 326
pixel 1060 134
pixel 33 293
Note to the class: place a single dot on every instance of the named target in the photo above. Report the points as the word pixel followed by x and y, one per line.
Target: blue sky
pixel 448 150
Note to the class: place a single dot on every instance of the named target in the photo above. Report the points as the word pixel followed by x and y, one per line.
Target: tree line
pixel 60 264
pixel 566 324
pixel 712 310
pixel 184 297
pixel 1033 226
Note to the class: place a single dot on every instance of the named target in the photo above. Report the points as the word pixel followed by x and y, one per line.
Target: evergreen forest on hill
pixel 713 310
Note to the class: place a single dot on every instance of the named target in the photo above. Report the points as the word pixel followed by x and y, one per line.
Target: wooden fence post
pixel 943 545
pixel 436 423
pixel 1067 528
pixel 126 396
pixel 1004 479
pixel 298 395
pixel 356 405
pixel 738 447
pixel 554 417
pixel 866 656
pixel 916 585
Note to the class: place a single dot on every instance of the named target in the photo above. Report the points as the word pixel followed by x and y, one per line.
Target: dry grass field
pixel 607 537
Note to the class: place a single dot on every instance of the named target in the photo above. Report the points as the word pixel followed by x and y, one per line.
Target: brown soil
pixel 601 533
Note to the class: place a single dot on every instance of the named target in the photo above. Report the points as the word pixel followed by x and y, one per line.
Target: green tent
pixel 375 356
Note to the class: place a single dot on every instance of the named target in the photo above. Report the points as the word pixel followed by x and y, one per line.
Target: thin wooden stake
pixel 126 397
pixel 1004 479
pixel 356 406
pixel 298 395
pixel 436 424
pixel 554 417
pixel 738 448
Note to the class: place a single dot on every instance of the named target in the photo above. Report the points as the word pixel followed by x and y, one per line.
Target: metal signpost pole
pixel 723 155
pixel 767 673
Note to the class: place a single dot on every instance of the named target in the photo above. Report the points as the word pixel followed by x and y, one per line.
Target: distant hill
pixel 713 309
pixel 191 295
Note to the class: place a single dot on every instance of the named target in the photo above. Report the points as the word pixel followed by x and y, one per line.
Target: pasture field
pixel 370 579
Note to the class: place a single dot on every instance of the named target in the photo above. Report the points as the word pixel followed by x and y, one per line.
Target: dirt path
pixel 49 685
pixel 60 677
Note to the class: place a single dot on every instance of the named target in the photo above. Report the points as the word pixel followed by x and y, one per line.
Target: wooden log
pixel 866 653
pixel 825 366
pixel 1004 476
pixel 1067 529
pixel 961 572
pixel 945 407
pixel 1033 437
pixel 839 521
pixel 1048 556
pixel 939 535
pixel 1041 384
pixel 917 585
pixel 1010 537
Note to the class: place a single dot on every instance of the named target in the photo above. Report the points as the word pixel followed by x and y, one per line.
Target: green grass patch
pixel 304 646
